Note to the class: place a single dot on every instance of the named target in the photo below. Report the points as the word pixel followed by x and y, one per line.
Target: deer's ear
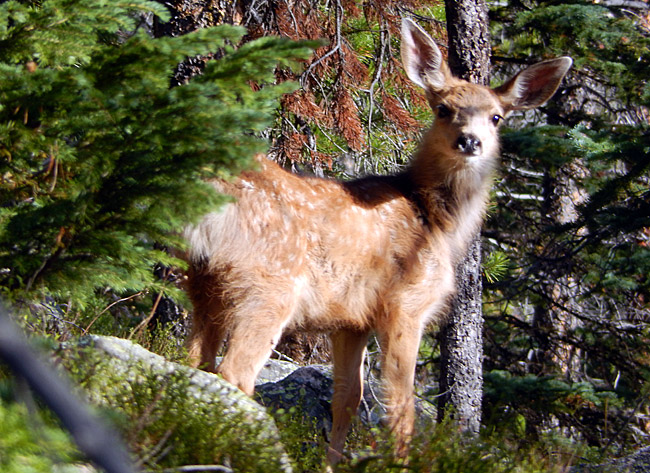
pixel 534 85
pixel 421 58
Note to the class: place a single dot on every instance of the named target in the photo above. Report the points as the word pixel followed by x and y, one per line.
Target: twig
pixel 146 321
pixel 42 267
pixel 337 47
pixel 383 35
pixel 283 357
pixel 109 307
pixel 155 451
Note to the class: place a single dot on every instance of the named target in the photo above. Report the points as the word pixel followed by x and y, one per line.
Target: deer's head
pixel 467 116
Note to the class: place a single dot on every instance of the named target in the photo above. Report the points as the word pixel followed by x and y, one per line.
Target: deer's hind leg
pixel 208 325
pixel 256 323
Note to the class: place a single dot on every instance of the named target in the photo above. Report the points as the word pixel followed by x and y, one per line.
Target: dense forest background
pixel 105 141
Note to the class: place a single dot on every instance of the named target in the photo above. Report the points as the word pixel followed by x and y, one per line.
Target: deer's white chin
pixel 475 159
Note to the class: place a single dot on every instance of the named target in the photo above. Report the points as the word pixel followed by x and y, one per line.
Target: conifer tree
pixel 572 214
pixel 100 159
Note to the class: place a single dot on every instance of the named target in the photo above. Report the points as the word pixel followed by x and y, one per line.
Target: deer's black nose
pixel 468 144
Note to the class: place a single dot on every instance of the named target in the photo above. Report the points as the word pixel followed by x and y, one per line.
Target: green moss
pixel 30 444
pixel 169 420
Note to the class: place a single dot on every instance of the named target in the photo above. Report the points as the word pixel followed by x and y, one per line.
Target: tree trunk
pixel 555 321
pixel 469 40
pixel 461 377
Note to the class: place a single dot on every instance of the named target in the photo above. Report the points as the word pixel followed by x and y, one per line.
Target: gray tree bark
pixel 461 377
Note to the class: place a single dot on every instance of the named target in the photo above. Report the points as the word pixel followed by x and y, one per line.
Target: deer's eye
pixel 496 119
pixel 443 111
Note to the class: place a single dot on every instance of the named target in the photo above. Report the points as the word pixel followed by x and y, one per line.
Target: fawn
pixel 376 254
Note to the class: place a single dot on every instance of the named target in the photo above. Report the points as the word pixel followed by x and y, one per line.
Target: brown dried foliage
pixel 287 27
pixel 396 114
pixel 351 8
pixel 346 117
pixel 298 20
pixel 355 71
pixel 325 159
pixel 336 69
pixel 302 103
pixel 293 145
pixel 404 85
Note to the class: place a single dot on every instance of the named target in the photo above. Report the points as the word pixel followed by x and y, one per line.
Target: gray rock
pixel 272 371
pixel 310 389
pixel 275 370
pixel 638 462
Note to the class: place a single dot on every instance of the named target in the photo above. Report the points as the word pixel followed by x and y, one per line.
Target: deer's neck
pixel 453 193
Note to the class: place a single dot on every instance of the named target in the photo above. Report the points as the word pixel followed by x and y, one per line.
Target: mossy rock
pixel 172 415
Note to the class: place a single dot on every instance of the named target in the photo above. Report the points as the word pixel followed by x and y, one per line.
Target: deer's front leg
pixel 348 349
pixel 400 339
